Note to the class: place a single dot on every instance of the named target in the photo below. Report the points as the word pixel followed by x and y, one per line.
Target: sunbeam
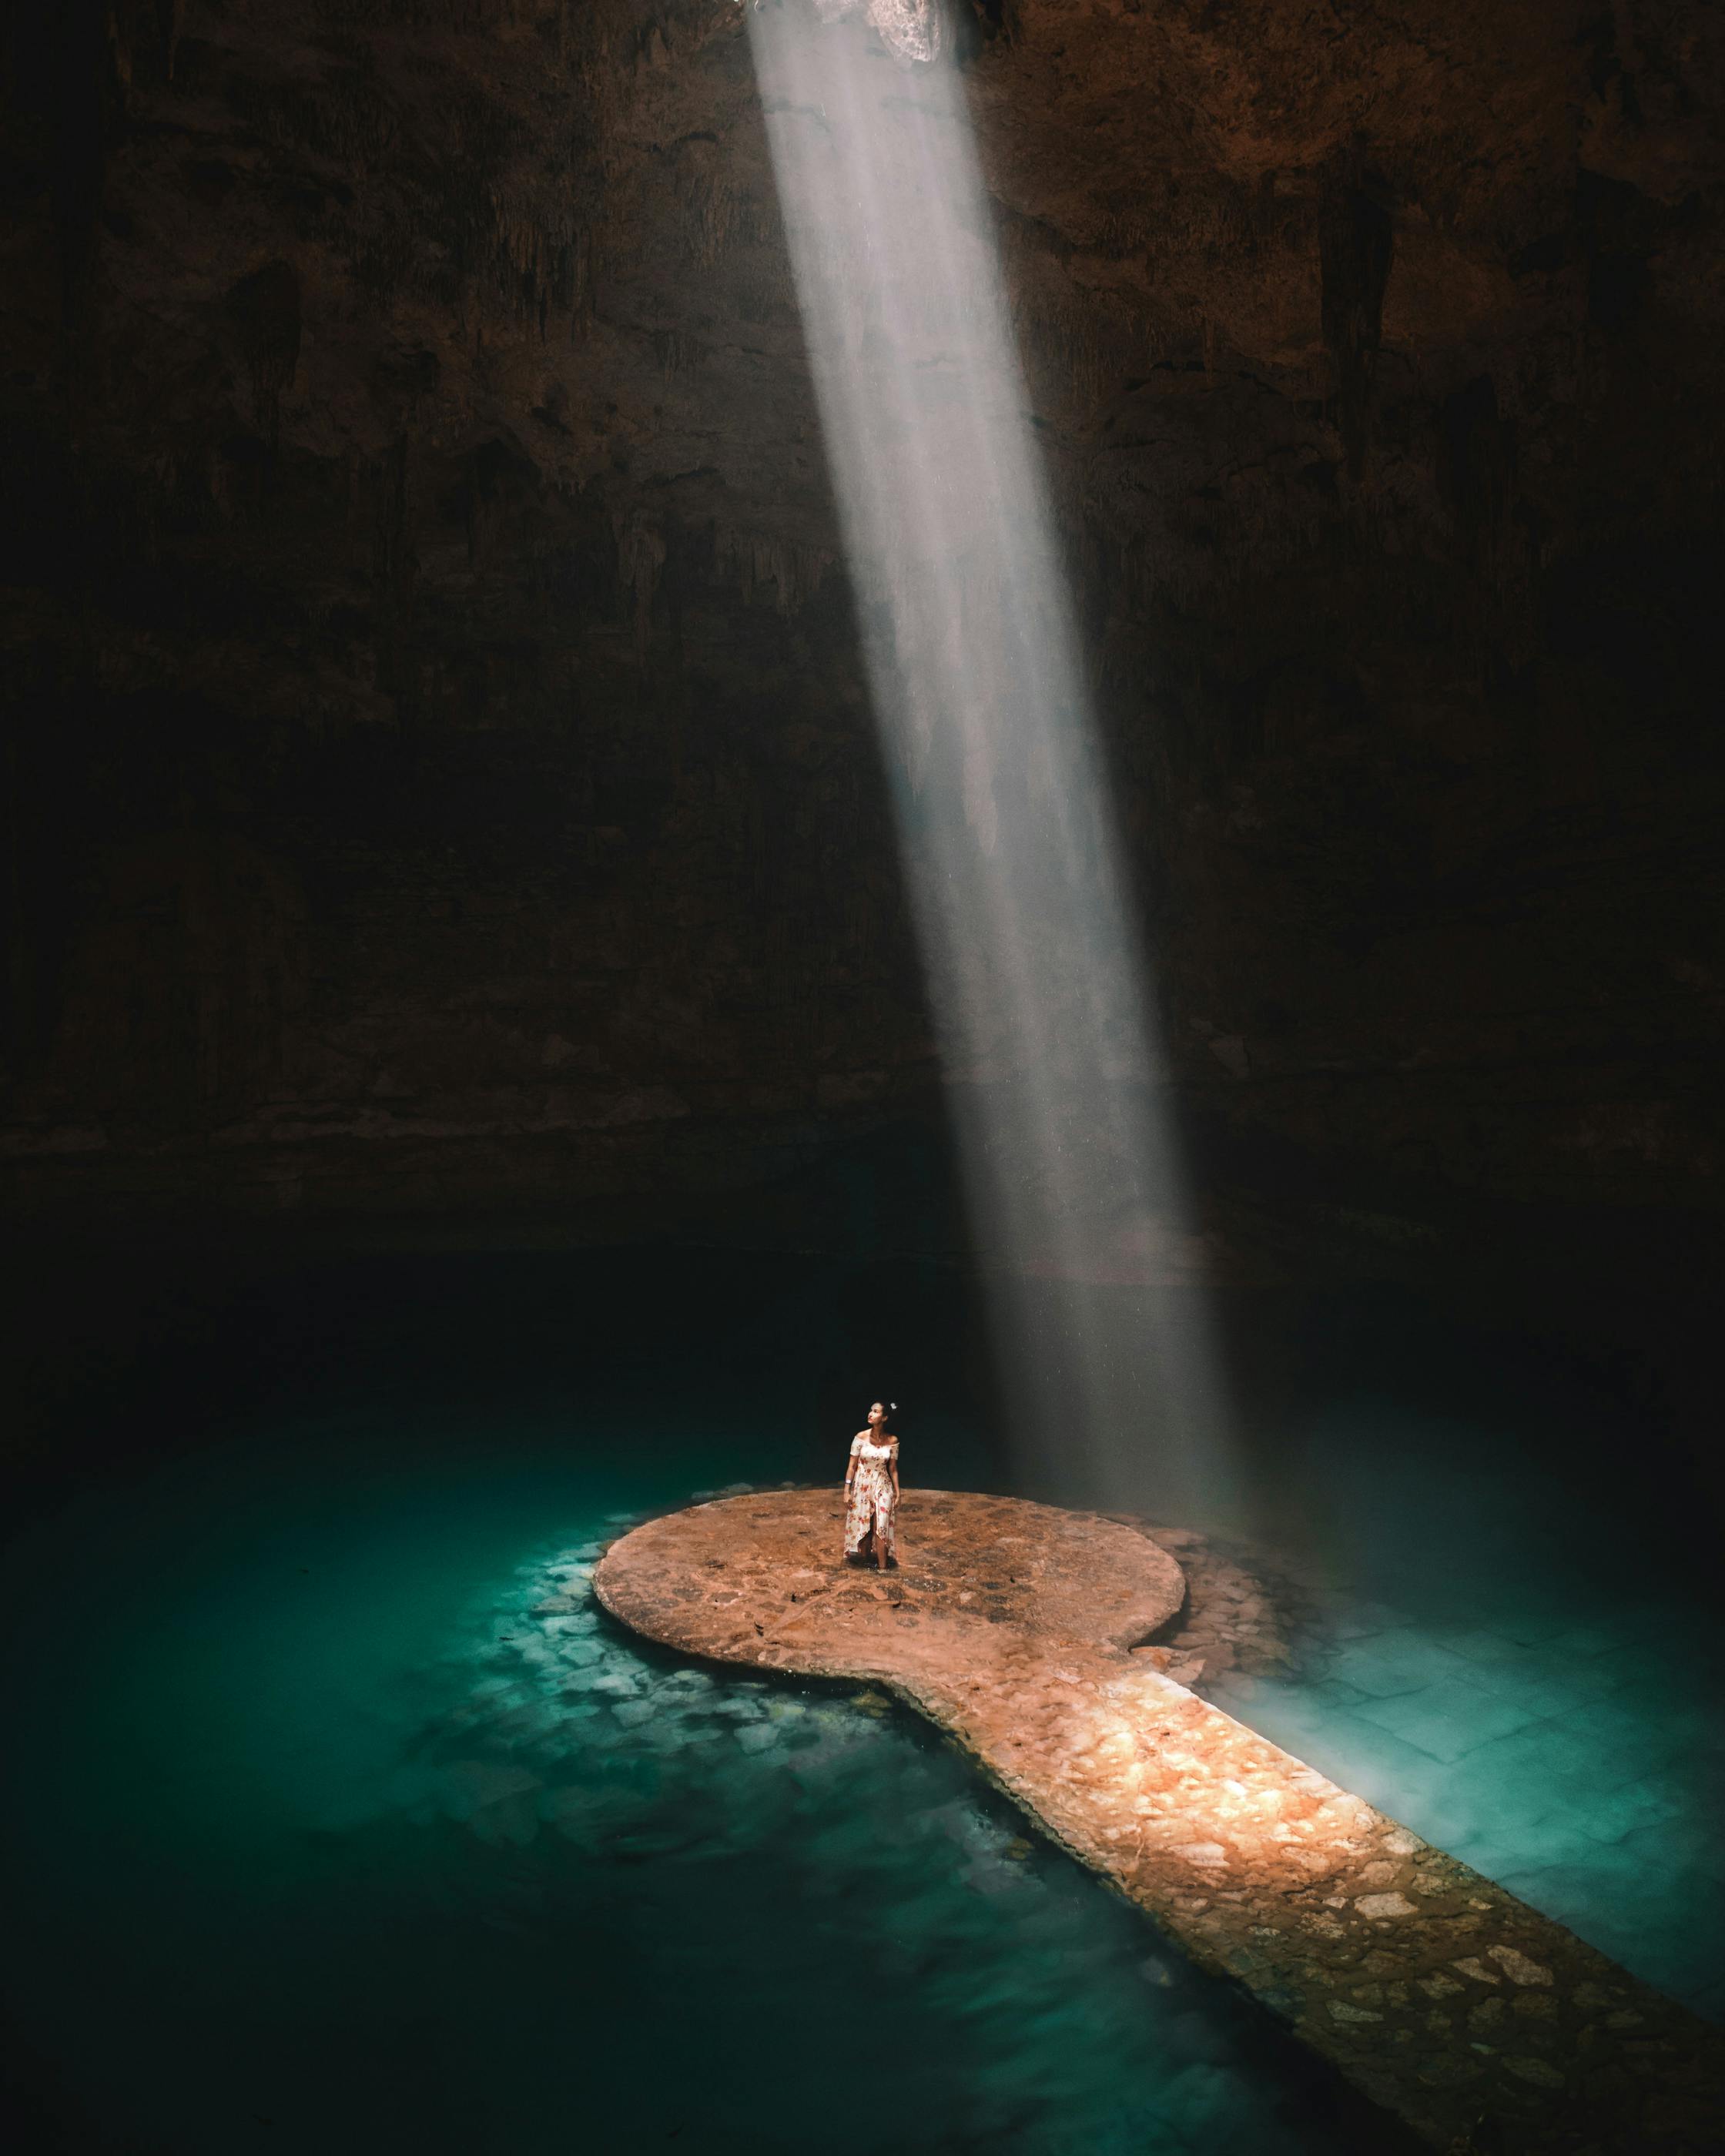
pixel 1038 974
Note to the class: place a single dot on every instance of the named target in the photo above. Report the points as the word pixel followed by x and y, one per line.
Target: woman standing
pixel 872 1492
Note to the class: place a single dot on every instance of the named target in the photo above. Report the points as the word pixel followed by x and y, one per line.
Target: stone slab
pixel 1468 2015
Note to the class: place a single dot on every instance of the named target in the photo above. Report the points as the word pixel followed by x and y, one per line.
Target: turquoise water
pixel 1530 1682
pixel 345 1820
pixel 1577 1763
pixel 337 1816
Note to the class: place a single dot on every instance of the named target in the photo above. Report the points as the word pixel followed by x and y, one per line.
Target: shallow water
pixel 340 1815
pixel 348 1820
pixel 1532 1684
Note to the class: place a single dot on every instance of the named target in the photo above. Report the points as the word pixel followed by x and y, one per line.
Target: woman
pixel 872 1492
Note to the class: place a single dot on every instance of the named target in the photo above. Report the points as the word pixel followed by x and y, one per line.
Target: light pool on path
pixel 1578 1763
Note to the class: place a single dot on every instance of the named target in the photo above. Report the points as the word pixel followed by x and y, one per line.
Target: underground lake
pixel 341 1814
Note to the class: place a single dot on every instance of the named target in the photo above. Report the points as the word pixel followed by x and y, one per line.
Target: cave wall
pixel 439 779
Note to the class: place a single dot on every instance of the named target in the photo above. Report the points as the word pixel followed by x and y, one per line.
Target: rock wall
pixel 439 779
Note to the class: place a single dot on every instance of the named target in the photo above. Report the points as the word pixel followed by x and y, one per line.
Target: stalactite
pixel 540 256
pixel 641 554
pixel 264 313
pixel 794 569
pixel 1356 245
pixel 719 211
pixel 676 351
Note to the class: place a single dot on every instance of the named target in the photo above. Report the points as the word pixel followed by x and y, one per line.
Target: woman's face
pixel 877 1416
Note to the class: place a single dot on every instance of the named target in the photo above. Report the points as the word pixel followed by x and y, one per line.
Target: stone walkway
pixel 1479 2022
pixel 1569 1746
pixel 1578 1764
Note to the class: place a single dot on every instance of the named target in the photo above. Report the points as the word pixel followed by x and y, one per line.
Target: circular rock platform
pixel 1439 1996
pixel 761 1580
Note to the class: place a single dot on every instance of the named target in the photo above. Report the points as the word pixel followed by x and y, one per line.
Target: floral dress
pixel 873 1500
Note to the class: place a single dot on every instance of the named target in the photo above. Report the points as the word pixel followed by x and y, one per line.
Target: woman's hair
pixel 888 1407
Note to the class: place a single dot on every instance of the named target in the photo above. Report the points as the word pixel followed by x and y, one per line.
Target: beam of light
pixel 1037 977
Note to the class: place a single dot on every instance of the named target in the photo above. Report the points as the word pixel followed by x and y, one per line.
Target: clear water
pixel 346 1820
pixel 1529 1682
pixel 336 1816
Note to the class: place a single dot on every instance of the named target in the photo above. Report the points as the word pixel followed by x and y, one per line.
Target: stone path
pixel 1573 1754
pixel 1578 1763
pixel 1479 2022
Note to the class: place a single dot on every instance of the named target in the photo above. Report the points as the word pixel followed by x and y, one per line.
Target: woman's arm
pixel 851 1465
pixel 892 1468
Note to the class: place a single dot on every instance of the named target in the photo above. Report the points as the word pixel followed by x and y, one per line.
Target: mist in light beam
pixel 1037 974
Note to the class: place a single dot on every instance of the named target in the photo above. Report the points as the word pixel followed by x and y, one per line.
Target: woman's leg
pixel 859 1526
pixel 859 1522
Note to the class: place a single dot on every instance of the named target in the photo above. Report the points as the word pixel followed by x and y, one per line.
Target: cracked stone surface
pixel 1011 1626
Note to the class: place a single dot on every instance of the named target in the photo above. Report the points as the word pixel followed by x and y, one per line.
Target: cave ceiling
pixel 440 757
